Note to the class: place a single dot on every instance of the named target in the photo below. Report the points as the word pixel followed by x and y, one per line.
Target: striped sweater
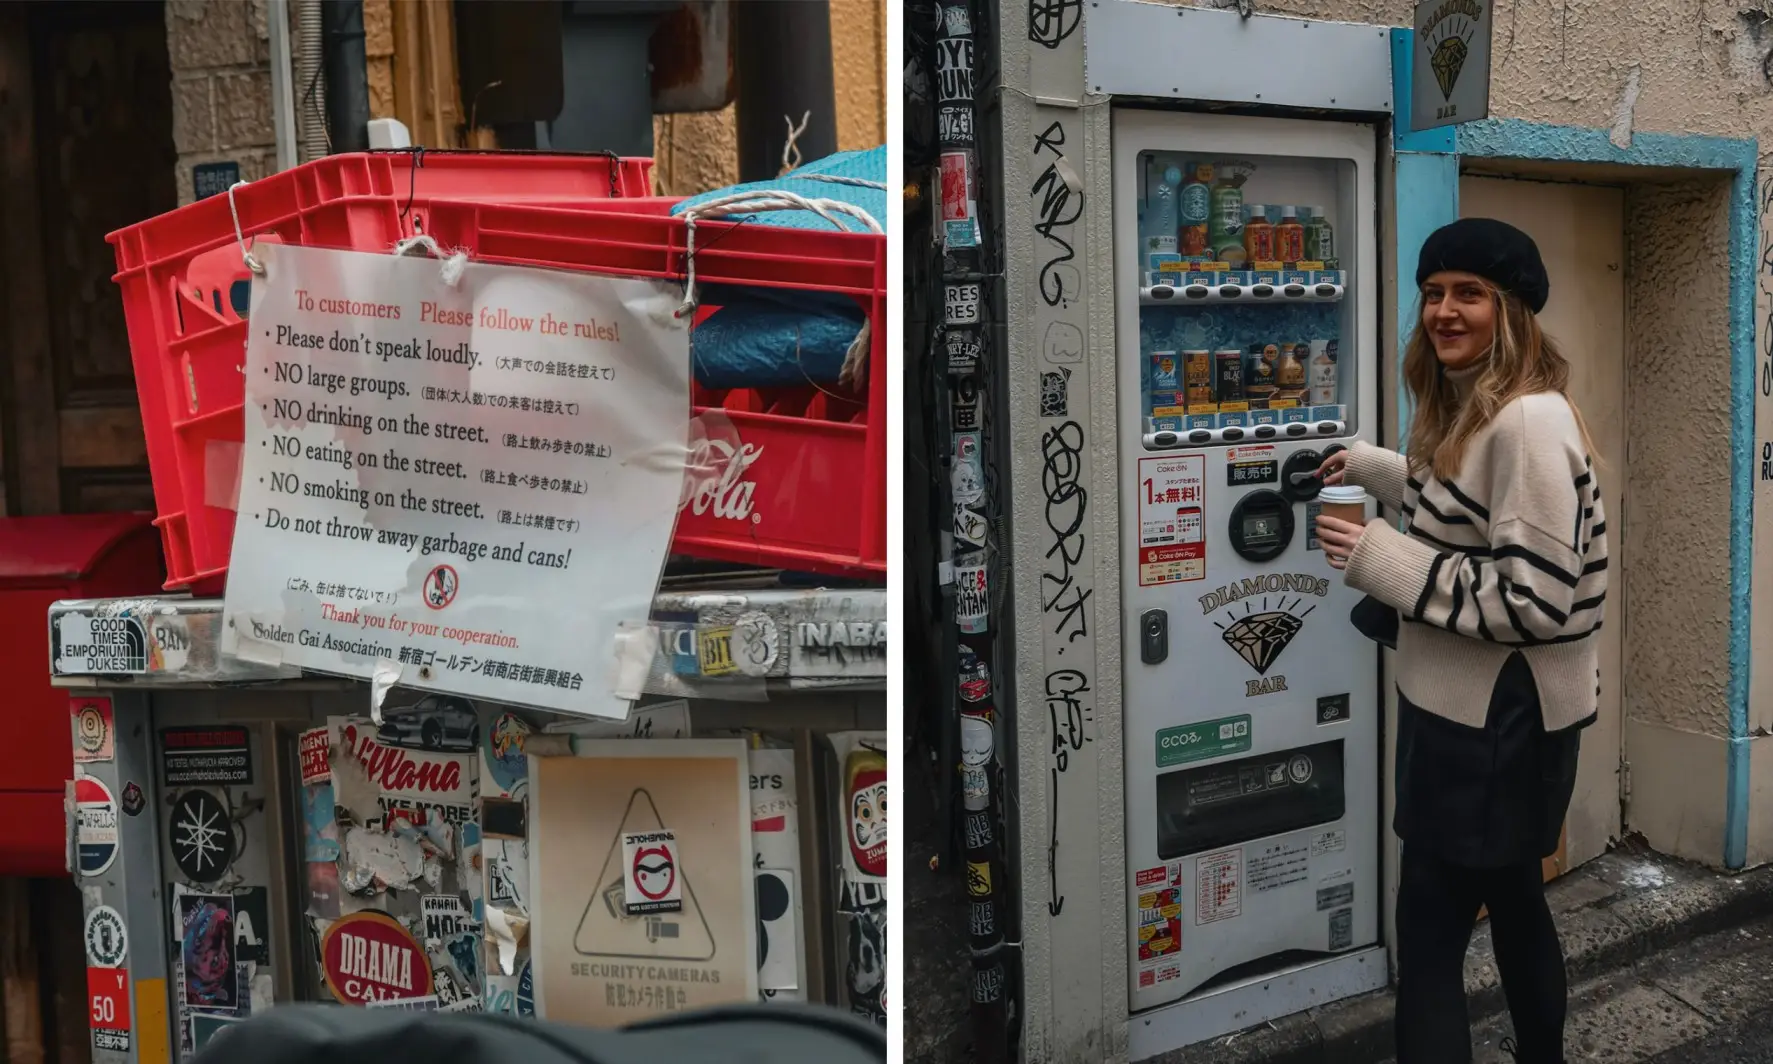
pixel 1510 556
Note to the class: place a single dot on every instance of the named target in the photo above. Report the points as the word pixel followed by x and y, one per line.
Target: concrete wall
pixel 221 87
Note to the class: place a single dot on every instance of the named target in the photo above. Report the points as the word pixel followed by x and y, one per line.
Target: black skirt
pixel 1491 796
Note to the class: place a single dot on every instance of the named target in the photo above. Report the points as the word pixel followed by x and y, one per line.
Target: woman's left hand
pixel 1339 538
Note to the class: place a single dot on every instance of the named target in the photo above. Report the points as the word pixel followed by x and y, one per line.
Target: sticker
pixel 207 755
pixel 975 788
pixel 1172 519
pixel 1312 509
pixel 1168 971
pixel 979 879
pixel 314 749
pixel 972 600
pixel 1160 922
pixel 1335 897
pixel 87 645
pixel 445 916
pixel 1332 708
pixel 714 651
pixel 1333 841
pixel 206 949
pixel 134 801
pixel 434 722
pixel 963 405
pixel 1151 876
pixel 963 348
pixel 651 884
pixel 526 992
pixel 966 482
pixel 754 643
pixel 865 770
pixel 428 1003
pixel 94 730
pixel 976 744
pixel 1269 611
pixel 1055 393
pixel 95 819
pixel 505 759
pixel 975 677
pixel 959 227
pixel 977 828
pixel 778 932
pixel 252 925
pixel 1341 929
pixel 1218 889
pixel 1299 769
pixel 107 991
pixel 1198 742
pixel 960 306
pixel 1276 865
pixel 107 941
pixel 970 526
pixel 202 836
pixel 1246 466
pixel 504 818
pixel 369 956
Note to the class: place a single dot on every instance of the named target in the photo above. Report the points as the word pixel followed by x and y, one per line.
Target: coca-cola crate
pixel 791 478
pixel 184 297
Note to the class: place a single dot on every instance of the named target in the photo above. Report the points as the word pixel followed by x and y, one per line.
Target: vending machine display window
pixel 1243 273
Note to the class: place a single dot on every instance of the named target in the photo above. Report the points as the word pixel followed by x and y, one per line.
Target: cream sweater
pixel 1511 557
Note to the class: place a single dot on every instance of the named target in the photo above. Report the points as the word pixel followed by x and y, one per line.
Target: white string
pixel 454 263
pixel 855 361
pixel 246 256
pixel 791 146
pixel 839 179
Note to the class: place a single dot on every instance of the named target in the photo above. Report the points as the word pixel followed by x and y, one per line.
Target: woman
pixel 1499 583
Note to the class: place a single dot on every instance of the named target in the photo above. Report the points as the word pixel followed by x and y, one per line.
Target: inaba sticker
pixel 975 676
pixel 107 941
pixel 202 836
pixel 651 883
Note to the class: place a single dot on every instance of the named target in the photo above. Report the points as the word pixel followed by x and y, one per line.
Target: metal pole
pixel 784 74
pixel 282 88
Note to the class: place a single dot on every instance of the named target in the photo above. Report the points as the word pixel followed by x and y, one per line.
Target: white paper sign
pixel 650 883
pixel 474 483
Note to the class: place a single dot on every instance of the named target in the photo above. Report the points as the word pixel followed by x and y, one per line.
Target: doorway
pixel 1580 230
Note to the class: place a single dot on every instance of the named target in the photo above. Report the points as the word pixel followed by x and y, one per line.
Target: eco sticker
pixel 651 884
pixel 1198 742
pixel 369 956
pixel 94 730
pixel 107 941
pixel 95 818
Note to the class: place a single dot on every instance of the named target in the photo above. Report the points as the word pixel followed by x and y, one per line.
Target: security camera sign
pixel 652 884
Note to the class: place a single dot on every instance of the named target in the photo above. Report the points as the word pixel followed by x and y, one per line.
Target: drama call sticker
pixel 95 817
pixel 369 956
pixel 107 941
pixel 94 738
pixel 652 884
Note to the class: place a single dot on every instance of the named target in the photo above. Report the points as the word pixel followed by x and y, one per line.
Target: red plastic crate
pixel 816 477
pixel 180 273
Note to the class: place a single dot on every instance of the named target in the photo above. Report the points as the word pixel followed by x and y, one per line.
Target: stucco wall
pixel 1676 533
pixel 221 87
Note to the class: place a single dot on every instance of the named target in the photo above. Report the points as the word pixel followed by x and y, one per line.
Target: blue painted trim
pixel 1519 139
pixel 1427 198
pixel 1437 140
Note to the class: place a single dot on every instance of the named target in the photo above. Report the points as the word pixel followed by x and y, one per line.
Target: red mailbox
pixel 43 559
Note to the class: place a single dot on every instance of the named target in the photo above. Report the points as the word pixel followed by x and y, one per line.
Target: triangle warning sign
pixel 606 930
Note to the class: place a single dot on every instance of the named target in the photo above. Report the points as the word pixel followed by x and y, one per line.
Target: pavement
pixel 933 949
pixel 1668 962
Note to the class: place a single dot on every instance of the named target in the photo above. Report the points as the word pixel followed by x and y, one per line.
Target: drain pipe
pixel 784 75
pixel 310 87
pixel 282 78
pixel 347 76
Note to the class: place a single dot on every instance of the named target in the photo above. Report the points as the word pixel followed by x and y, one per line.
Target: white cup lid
pixel 1342 493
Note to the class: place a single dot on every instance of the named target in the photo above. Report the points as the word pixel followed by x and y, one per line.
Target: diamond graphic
pixel 1260 637
pixel 1447 60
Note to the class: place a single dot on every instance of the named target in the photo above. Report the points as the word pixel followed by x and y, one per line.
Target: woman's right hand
pixel 1331 471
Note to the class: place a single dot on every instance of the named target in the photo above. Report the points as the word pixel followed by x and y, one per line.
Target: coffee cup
pixel 1345 502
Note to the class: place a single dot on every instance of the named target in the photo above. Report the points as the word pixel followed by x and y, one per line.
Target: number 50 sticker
pixel 108 989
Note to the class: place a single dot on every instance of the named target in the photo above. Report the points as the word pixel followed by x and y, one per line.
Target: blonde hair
pixel 1522 360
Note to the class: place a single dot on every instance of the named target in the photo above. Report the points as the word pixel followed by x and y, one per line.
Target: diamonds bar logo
pixel 1262 616
pixel 1449 41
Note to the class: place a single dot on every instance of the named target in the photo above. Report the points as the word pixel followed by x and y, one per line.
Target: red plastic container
pixel 789 478
pixel 182 277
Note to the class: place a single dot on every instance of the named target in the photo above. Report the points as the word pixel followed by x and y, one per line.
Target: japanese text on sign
pixel 474 483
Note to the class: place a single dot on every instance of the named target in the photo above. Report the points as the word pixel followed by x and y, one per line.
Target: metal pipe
pixel 282 77
pixel 347 75
pixel 310 88
pixel 784 73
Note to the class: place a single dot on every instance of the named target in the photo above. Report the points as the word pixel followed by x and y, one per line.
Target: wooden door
pixel 85 147
pixel 1580 230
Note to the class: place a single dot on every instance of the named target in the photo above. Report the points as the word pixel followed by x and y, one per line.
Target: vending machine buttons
pixel 1231 435
pixel 1298 428
pixel 1200 436
pixel 1265 432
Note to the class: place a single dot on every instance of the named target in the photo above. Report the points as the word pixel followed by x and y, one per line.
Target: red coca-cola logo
pixel 397 770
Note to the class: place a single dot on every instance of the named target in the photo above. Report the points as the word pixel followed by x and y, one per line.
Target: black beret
pixel 1495 251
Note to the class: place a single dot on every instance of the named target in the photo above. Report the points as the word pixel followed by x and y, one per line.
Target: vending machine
pixel 1246 314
